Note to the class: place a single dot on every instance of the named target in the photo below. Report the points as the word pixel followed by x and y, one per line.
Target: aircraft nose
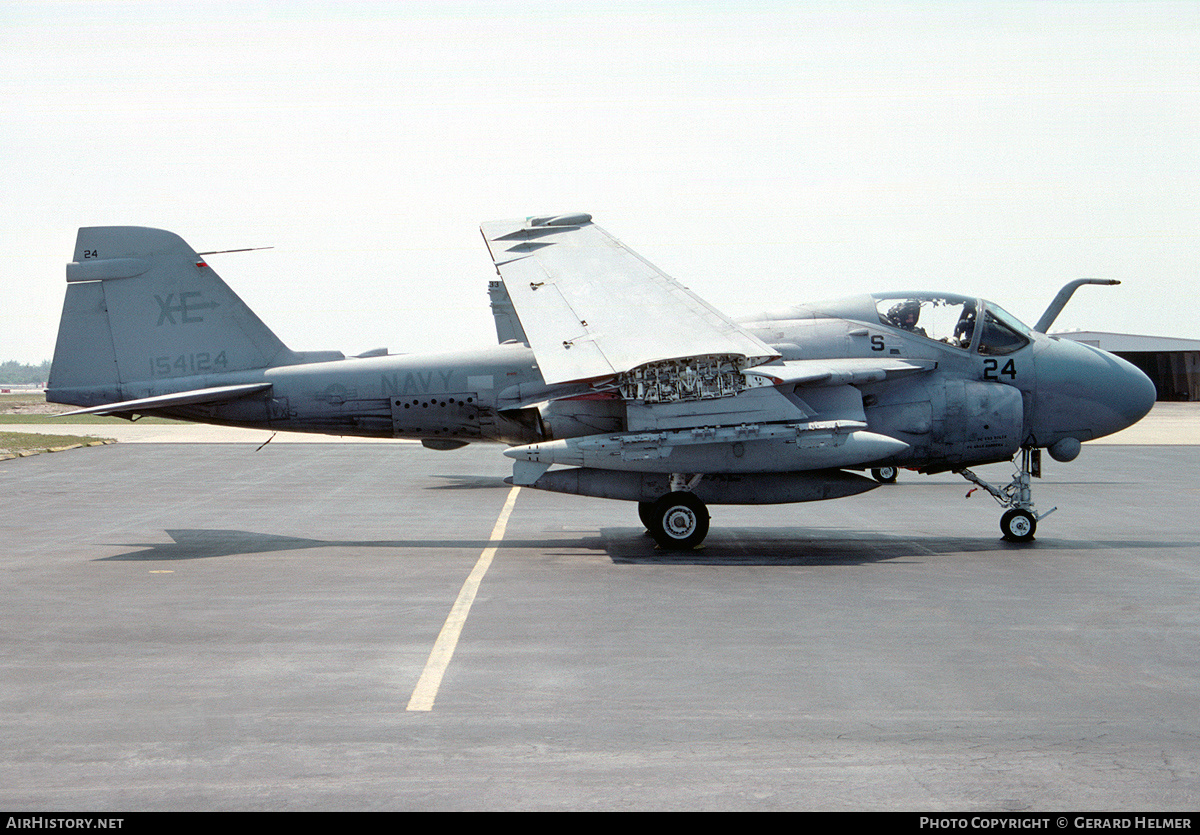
pixel 1086 393
pixel 1134 393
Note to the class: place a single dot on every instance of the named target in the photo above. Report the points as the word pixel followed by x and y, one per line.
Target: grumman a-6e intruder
pixel 613 380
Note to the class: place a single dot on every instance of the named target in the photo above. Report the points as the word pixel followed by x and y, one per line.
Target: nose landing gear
pixel 1019 522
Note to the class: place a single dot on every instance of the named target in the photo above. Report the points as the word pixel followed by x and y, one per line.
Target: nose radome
pixel 1135 393
pixel 1086 393
pixel 1123 394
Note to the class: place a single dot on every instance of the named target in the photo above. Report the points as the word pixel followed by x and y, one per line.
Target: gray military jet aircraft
pixel 627 381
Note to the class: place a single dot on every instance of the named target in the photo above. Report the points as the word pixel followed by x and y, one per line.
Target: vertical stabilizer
pixel 508 325
pixel 143 305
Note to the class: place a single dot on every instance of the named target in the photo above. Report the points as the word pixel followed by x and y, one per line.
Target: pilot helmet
pixel 905 313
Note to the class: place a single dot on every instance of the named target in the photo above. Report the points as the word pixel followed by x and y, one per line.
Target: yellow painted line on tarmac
pixel 443 648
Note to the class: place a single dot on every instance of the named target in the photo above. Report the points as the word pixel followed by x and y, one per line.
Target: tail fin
pixel 143 305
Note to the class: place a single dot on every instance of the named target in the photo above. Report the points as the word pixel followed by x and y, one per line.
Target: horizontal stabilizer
pixel 218 394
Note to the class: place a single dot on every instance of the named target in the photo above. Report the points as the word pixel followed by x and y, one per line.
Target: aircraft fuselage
pixel 978 408
pixel 448 396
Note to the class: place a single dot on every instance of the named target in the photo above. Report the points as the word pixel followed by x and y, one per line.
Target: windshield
pixel 943 318
pixel 1003 333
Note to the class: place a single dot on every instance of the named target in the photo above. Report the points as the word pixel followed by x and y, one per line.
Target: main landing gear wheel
pixel 678 521
pixel 885 475
pixel 1018 525
pixel 646 514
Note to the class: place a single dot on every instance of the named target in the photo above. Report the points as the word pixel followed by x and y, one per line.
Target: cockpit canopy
pixel 953 320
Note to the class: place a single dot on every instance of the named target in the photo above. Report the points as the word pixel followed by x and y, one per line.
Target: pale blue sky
pixel 765 154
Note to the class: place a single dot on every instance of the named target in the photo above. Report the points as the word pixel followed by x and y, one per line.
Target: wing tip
pixel 576 219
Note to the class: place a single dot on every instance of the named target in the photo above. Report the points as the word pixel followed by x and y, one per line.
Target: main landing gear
pixel 1019 522
pixel 885 475
pixel 678 521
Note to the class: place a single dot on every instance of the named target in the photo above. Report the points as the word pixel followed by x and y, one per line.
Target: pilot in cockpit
pixel 965 328
pixel 905 314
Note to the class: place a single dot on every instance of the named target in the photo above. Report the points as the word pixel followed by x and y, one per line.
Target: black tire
pixel 679 521
pixel 646 514
pixel 1018 525
pixel 885 475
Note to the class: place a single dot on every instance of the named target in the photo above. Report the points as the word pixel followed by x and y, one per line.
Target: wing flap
pixel 592 308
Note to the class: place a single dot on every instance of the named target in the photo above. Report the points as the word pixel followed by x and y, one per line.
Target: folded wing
pixel 592 308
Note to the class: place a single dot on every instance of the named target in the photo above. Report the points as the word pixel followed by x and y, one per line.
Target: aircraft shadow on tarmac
pixel 629 545
pixel 470 482
pixel 805 546
pixel 193 544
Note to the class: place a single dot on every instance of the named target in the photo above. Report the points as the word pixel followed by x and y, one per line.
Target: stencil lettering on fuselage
pixel 414 382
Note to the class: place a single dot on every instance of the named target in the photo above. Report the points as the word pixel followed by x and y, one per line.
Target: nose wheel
pixel 1019 522
pixel 1018 525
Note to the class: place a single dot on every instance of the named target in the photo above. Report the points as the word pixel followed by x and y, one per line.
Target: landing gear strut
pixel 1019 522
